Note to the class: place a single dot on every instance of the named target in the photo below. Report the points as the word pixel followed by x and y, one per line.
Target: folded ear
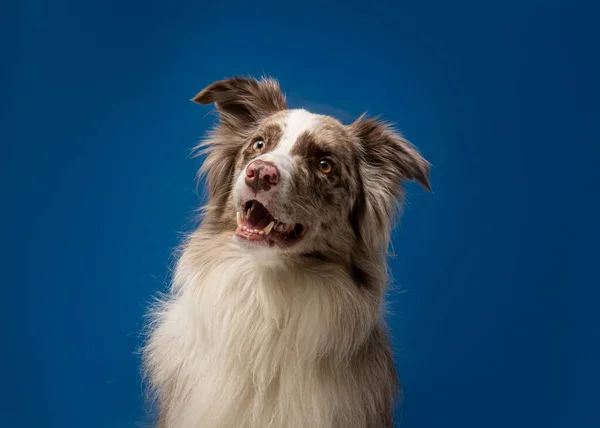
pixel 386 159
pixel 389 156
pixel 241 101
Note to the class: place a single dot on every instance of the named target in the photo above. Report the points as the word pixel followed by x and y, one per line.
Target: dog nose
pixel 261 175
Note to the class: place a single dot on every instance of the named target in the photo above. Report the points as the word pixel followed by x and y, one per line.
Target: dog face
pixel 297 182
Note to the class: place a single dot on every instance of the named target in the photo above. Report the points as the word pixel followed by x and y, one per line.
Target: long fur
pixel 294 338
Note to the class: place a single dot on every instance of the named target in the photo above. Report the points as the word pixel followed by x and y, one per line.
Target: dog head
pixel 301 183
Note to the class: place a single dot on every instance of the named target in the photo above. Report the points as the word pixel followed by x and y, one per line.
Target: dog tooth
pixel 239 218
pixel 262 232
pixel 268 229
pixel 283 228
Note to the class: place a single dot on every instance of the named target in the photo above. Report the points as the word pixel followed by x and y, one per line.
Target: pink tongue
pixel 259 218
pixel 260 224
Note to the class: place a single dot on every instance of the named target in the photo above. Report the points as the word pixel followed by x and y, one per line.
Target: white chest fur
pixel 239 345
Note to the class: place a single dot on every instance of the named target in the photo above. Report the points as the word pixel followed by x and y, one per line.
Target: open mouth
pixel 255 223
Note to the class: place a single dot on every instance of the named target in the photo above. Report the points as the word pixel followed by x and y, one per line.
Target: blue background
pixel 496 325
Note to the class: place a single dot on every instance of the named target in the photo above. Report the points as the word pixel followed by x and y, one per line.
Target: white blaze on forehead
pixel 293 124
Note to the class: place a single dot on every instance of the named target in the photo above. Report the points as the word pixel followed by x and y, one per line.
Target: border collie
pixel 274 315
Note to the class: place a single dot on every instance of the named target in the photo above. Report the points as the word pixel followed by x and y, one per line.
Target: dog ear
pixel 386 160
pixel 242 101
pixel 389 156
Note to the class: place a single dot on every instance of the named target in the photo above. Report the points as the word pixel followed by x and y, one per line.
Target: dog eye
pixel 325 166
pixel 258 145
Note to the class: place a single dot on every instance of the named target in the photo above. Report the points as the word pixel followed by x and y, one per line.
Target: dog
pixel 274 314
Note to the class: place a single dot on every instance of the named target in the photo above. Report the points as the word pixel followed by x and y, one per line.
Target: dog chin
pixel 265 256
